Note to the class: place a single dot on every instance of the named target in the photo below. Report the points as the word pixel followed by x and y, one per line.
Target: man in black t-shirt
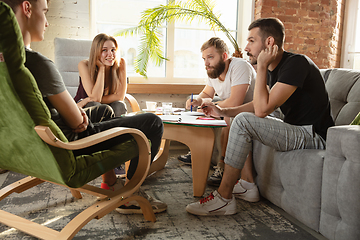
pixel 291 82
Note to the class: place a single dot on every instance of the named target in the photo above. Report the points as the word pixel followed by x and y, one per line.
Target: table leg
pixel 200 140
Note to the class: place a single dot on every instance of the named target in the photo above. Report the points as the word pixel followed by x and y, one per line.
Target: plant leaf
pixel 153 19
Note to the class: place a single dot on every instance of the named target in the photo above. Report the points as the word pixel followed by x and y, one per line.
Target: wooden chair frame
pixel 108 200
pixel 135 107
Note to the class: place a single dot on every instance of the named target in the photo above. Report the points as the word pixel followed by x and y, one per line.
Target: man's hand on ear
pixel 268 55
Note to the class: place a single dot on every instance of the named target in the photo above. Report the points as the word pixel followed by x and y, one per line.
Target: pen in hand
pixel 206 106
pixel 191 102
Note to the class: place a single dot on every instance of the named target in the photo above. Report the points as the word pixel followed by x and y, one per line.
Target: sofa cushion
pixel 291 180
pixel 343 86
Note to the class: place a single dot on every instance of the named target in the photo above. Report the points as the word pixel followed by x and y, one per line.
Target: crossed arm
pixel 74 116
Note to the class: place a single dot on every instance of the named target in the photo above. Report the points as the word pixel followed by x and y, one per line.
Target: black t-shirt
pixel 309 104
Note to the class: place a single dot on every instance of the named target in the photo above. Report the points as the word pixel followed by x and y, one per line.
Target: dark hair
pixel 14 3
pixel 270 27
pixel 216 42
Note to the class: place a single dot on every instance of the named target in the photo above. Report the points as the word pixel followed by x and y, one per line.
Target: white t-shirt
pixel 240 72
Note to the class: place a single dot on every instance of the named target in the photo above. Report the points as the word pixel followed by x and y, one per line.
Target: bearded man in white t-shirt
pixel 232 80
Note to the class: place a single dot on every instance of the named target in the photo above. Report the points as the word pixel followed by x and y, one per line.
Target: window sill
pixel 164 88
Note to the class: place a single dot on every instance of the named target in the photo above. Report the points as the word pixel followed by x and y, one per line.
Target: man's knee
pixel 151 120
pixel 243 118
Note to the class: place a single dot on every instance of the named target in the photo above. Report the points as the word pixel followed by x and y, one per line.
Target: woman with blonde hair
pixel 102 77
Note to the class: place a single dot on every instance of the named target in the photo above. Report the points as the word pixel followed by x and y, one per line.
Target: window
pixel 182 41
pixel 351 36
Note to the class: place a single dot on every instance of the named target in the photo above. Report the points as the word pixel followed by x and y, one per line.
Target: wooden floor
pixel 54 206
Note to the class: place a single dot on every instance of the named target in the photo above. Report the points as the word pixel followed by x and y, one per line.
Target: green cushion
pixel 22 107
pixel 356 121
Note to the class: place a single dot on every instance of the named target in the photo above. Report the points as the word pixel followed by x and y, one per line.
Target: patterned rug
pixel 54 206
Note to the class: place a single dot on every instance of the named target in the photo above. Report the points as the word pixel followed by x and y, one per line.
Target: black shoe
pixel 186 159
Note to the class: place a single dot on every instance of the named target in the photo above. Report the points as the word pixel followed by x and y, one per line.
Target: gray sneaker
pixel 133 206
pixel 215 178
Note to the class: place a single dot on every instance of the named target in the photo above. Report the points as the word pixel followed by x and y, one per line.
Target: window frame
pixel 349 34
pixel 244 18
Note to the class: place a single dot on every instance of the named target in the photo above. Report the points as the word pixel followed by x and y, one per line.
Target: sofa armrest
pixel 340 205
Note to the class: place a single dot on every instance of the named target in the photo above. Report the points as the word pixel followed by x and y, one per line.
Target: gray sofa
pixel 321 188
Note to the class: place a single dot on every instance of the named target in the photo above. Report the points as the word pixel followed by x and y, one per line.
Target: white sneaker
pixel 250 195
pixel 133 206
pixel 212 205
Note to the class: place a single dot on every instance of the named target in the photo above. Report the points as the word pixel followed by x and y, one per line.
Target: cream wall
pixel 67 19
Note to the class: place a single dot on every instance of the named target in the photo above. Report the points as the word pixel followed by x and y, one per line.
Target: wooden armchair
pixel 24 117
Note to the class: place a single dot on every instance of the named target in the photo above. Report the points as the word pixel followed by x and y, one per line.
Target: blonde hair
pixel 95 52
pixel 216 42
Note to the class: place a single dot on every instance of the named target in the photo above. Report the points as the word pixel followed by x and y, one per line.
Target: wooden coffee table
pixel 200 140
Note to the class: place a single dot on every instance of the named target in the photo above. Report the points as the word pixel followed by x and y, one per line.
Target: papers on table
pixel 193 120
pixel 192 114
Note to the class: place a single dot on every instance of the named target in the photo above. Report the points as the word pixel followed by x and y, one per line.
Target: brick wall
pixel 313 27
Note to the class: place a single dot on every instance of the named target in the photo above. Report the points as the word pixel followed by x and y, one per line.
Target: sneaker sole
pixel 239 196
pixel 219 213
pixel 136 211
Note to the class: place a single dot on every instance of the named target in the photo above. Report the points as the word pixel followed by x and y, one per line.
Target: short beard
pixel 254 60
pixel 217 70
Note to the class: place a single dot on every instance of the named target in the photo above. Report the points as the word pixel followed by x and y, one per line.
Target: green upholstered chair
pixel 32 144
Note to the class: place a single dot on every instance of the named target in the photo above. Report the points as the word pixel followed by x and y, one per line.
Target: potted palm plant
pixel 153 19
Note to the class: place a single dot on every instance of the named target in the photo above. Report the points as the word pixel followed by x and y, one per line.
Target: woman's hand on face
pixel 122 64
pixel 99 64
